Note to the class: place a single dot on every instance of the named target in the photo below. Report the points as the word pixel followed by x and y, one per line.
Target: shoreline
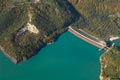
pixel 101 69
pixel 8 56
pixel 15 61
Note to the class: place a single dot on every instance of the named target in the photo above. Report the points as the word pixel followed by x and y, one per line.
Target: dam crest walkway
pixel 88 38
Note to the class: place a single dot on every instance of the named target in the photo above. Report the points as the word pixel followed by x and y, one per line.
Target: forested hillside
pixel 98 17
pixel 50 17
pixel 110 62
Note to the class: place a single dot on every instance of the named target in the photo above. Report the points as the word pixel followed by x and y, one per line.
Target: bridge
pixel 88 38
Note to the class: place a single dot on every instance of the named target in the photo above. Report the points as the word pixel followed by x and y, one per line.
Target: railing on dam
pixel 88 38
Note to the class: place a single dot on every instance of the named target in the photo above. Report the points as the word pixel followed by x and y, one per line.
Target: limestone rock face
pixel 31 28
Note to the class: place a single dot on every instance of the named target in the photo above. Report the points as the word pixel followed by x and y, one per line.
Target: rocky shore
pixel 8 56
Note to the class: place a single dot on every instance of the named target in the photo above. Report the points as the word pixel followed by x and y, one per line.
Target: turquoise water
pixel 69 58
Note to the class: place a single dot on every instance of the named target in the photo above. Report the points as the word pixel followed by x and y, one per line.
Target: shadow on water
pixel 64 4
pixel 115 42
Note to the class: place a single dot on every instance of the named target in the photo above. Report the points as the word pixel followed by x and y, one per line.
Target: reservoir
pixel 69 58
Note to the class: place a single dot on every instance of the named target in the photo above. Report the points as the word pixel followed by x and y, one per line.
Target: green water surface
pixel 69 58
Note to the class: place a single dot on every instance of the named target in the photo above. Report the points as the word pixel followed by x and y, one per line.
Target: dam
pixel 88 38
